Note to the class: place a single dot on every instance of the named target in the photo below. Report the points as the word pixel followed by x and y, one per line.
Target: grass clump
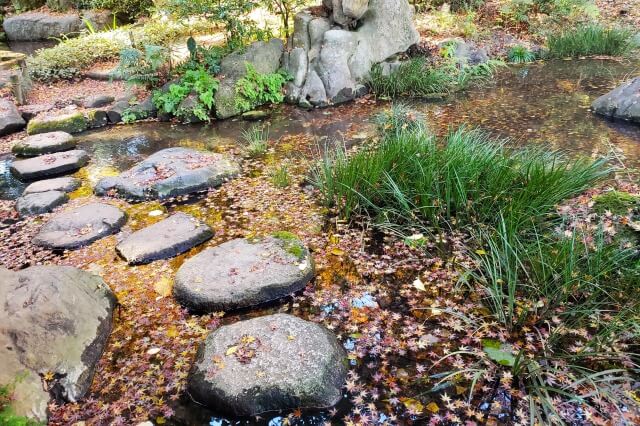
pixel 280 177
pixel 520 55
pixel 256 141
pixel 591 40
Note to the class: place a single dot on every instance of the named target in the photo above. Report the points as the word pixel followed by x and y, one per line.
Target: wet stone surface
pixel 64 184
pixel 275 362
pixel 243 273
pixel 49 165
pixel 44 143
pixel 40 202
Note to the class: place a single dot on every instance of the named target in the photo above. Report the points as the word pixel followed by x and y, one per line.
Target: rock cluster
pixel 332 54
pixel 622 103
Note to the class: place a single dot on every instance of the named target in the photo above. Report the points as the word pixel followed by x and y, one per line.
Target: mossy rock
pixel 616 202
pixel 291 243
pixel 70 123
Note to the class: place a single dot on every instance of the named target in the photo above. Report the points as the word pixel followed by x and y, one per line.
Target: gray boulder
pixel 167 238
pixel 11 120
pixel 80 227
pixel 49 165
pixel 53 319
pixel 97 101
pixel 32 26
pixel 64 184
pixel 622 103
pixel 44 143
pixel 243 273
pixel 265 58
pixel 270 363
pixel 355 8
pixel 169 173
pixel 40 202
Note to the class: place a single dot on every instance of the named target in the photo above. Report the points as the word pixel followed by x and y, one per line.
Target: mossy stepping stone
pixel 243 273
pixel 167 238
pixel 49 165
pixel 271 363
pixel 70 123
pixel 44 143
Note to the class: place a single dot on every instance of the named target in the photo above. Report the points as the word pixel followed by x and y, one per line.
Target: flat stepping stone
pixel 64 184
pixel 270 363
pixel 40 202
pixel 54 319
pixel 167 238
pixel 80 227
pixel 49 165
pixel 45 143
pixel 71 123
pixel 243 273
pixel 169 173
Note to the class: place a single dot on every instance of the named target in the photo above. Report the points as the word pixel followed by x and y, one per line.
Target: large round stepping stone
pixel 45 143
pixel 276 362
pixel 80 227
pixel 40 202
pixel 169 173
pixel 54 319
pixel 63 184
pixel 165 239
pixel 243 273
pixel 49 165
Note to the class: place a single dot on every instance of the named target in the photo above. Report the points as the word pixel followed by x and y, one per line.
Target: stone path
pixel 64 184
pixel 40 202
pixel 169 173
pixel 165 239
pixel 44 143
pixel 243 273
pixel 49 165
pixel 80 227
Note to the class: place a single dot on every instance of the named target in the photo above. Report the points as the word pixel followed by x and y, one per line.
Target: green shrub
pixel 591 40
pixel 26 5
pixel 201 84
pixel 520 55
pixel 129 8
pixel 142 67
pixel 256 89
pixel 7 415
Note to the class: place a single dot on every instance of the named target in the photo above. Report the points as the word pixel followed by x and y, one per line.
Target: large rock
pixel 167 238
pixel 33 26
pixel 80 227
pixel 44 143
pixel 243 273
pixel 169 173
pixel 40 202
pixel 265 58
pixel 367 33
pixel 622 103
pixel 270 363
pixel 465 53
pixel 74 122
pixel 54 320
pixel 63 184
pixel 49 165
pixel 11 120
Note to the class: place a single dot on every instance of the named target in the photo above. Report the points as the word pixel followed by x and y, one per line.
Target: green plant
pixel 255 89
pixel 26 5
pixel 280 177
pixel 590 40
pixel 7 414
pixel 142 67
pixel 198 84
pixel 256 140
pixel 128 8
pixel 520 54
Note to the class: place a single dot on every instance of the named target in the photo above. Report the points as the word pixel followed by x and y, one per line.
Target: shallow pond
pixel 534 104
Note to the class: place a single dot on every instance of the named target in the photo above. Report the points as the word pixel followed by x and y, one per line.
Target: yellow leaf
pixel 433 407
pixel 413 404
pixel 248 339
pixel 48 376
pixel 231 350
pixel 291 337
pixel 337 252
pixel 164 287
pixel 481 252
pixel 160 420
pixel 172 332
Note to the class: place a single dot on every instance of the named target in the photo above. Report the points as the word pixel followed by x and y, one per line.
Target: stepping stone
pixel 54 319
pixel 40 202
pixel 45 143
pixel 270 363
pixel 64 184
pixel 169 173
pixel 80 227
pixel 49 165
pixel 243 273
pixel 70 123
pixel 165 239
pixel 11 120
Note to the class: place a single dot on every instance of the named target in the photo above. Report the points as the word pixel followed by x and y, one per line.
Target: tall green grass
pixel 591 40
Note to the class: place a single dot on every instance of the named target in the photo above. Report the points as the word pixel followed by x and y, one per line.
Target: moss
pixel 618 203
pixel 291 243
pixel 70 123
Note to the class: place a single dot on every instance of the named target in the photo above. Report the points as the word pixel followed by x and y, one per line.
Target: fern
pixel 256 89
pixel 198 82
pixel 142 67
